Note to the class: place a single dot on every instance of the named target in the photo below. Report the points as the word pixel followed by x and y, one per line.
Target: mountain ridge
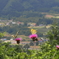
pixel 8 7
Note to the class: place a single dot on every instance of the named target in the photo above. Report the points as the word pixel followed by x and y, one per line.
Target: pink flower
pixel 57 46
pixel 18 40
pixel 34 37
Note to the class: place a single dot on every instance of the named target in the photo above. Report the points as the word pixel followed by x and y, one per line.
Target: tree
pixel 1 34
pixel 53 34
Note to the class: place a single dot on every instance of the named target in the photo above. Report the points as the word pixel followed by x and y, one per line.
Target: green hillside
pixel 14 7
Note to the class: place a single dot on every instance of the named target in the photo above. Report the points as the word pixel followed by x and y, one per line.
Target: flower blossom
pixel 18 40
pixel 57 46
pixel 34 37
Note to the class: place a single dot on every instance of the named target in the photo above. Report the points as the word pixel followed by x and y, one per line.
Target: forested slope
pixel 14 7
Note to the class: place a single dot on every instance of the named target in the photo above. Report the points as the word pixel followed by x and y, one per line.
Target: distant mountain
pixel 15 7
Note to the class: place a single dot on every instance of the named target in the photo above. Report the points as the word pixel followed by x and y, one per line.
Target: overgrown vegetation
pixel 47 50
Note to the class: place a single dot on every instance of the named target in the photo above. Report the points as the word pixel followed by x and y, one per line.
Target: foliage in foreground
pixel 47 50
